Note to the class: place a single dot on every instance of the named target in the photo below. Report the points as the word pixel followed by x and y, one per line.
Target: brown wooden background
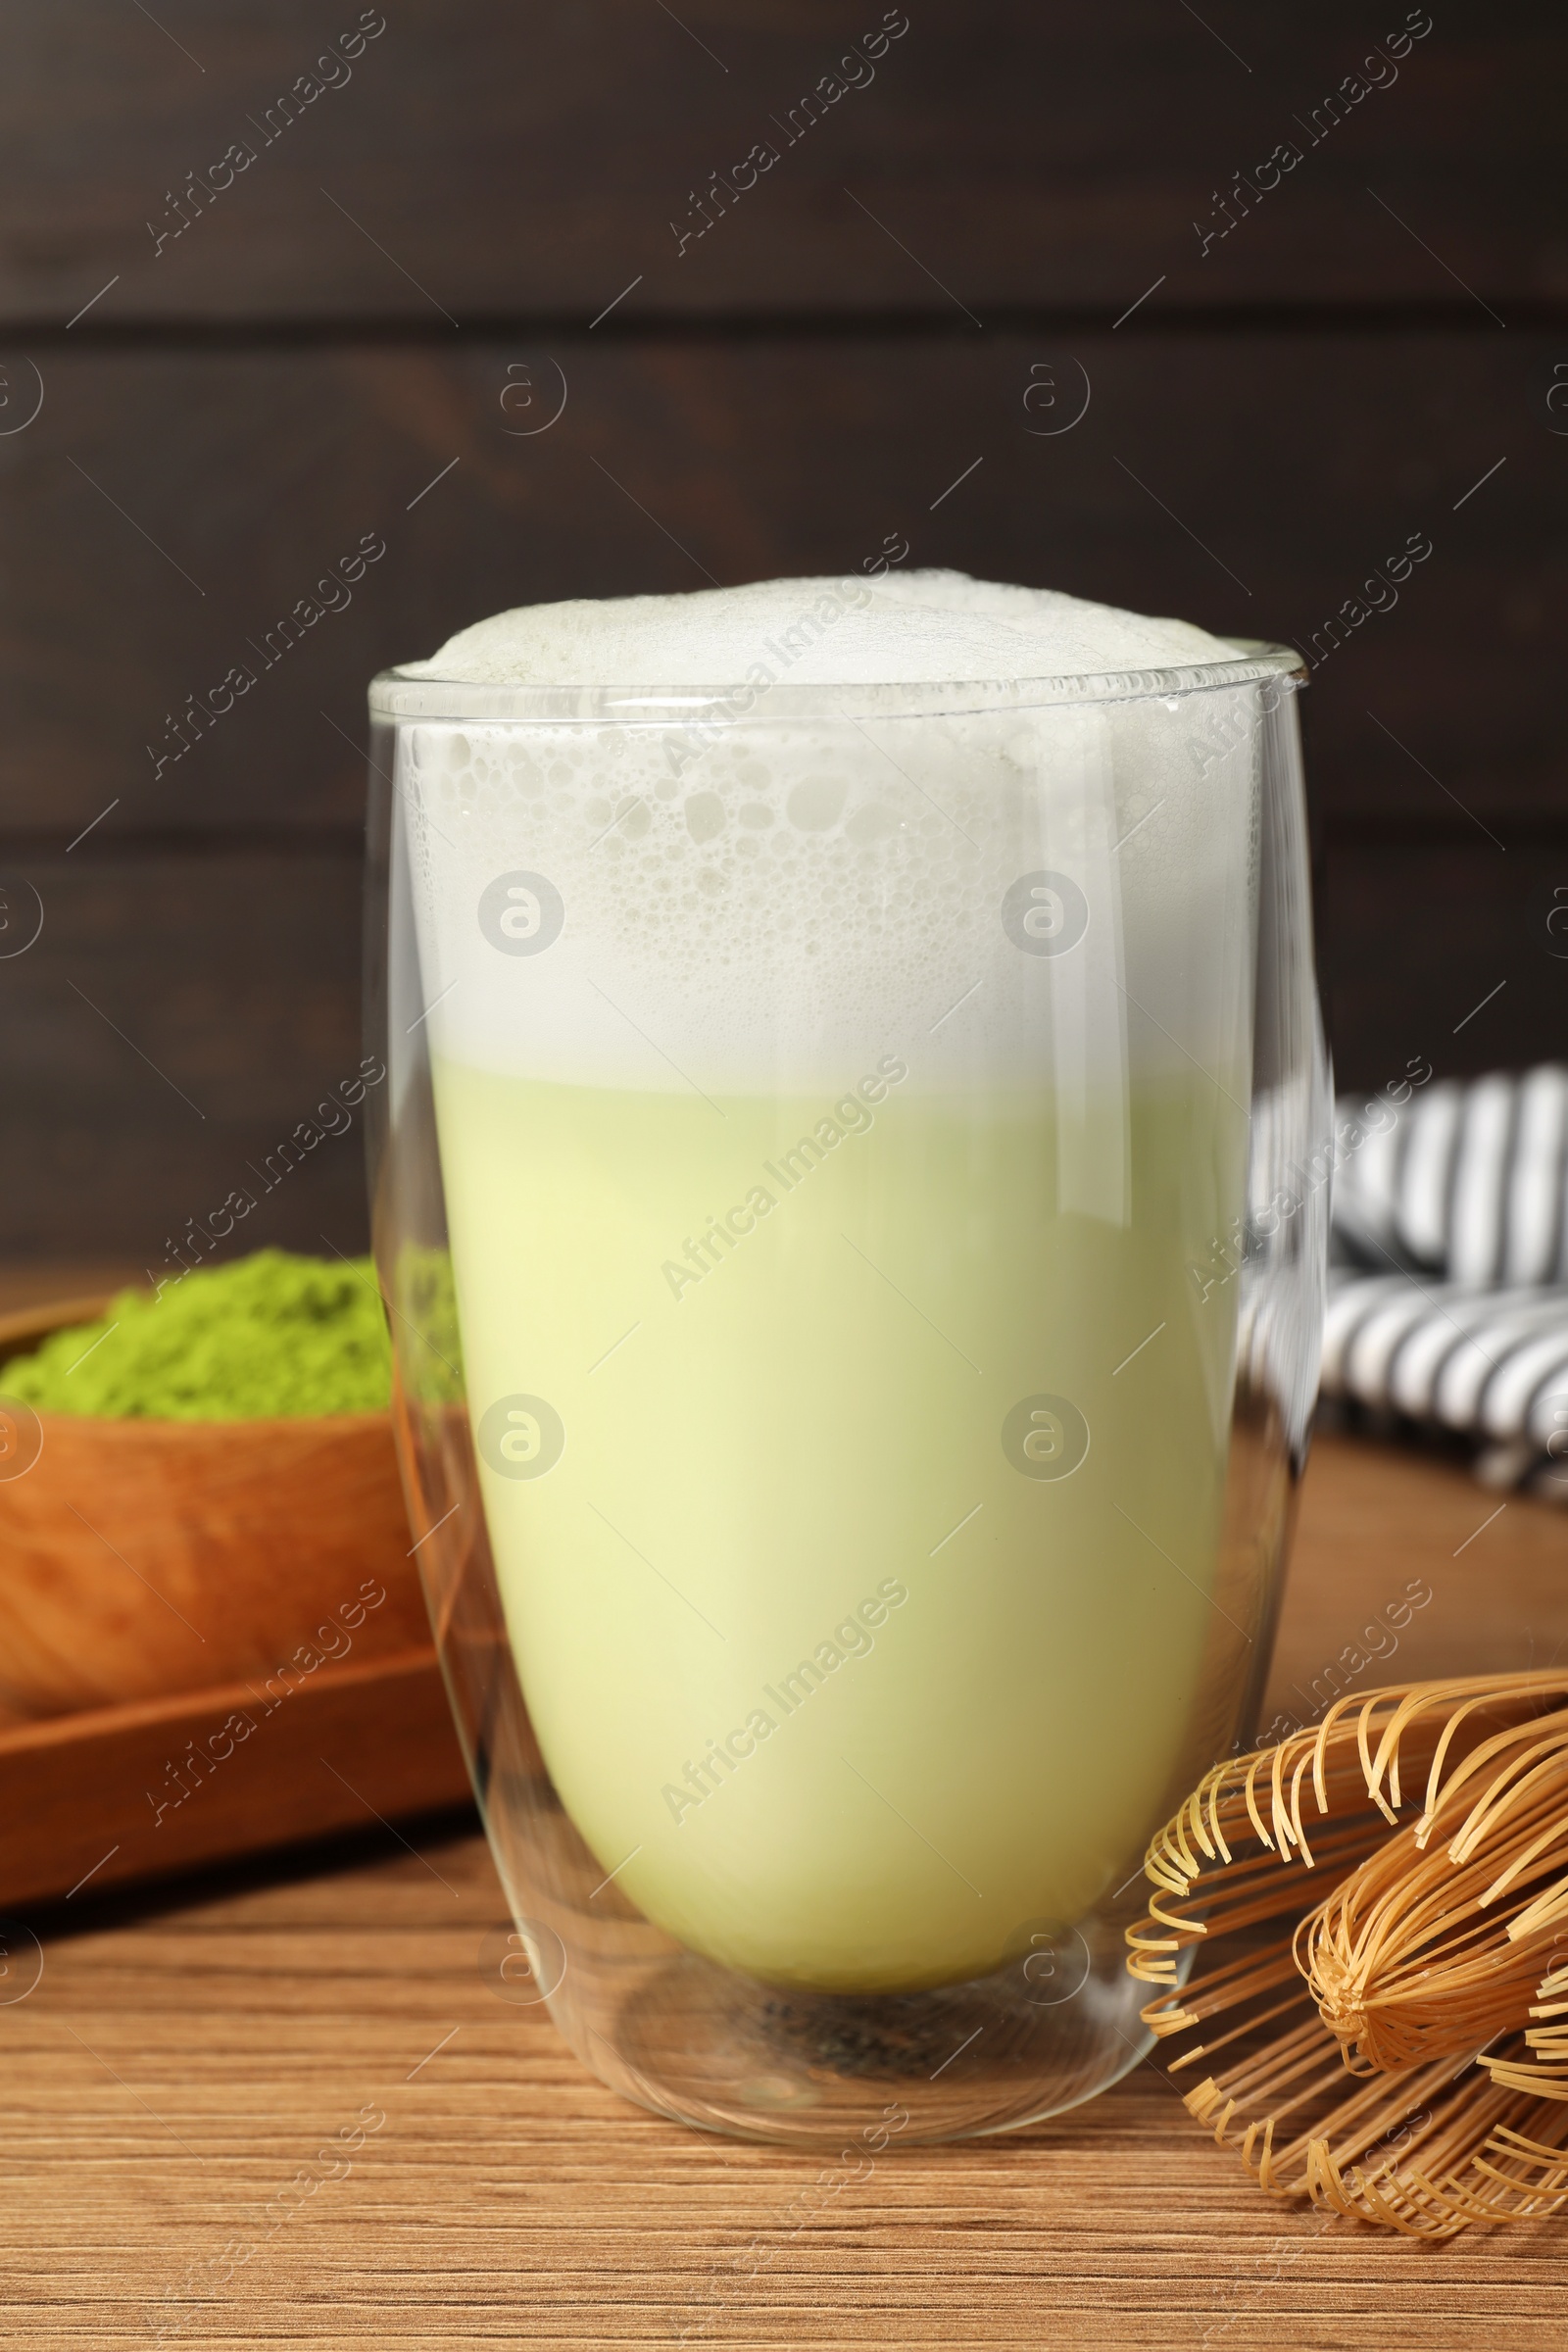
pixel 329 333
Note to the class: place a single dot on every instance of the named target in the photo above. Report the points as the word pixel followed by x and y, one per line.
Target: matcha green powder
pixel 270 1334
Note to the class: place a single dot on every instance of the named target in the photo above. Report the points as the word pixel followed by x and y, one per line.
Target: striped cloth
pixel 1448 1274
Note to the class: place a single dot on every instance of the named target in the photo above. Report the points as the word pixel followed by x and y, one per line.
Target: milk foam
pixel 913 627
pixel 754 901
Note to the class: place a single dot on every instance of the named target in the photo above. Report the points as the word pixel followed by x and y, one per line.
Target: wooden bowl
pixel 141 1559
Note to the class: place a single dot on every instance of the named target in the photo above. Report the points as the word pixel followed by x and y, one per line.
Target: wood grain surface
pixel 476 157
pixel 175 2074
pixel 98 1797
pixel 183 1012
pixel 1302 461
pixel 195 987
pixel 214 380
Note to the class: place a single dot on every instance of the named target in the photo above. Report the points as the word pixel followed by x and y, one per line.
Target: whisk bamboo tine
pixel 1428 1942
pixel 1253 1813
pixel 1548 1908
pixel 1319 1750
pixel 1363 1749
pixel 1514 1772
pixel 1527 1686
pixel 1295 1807
pixel 1279 1817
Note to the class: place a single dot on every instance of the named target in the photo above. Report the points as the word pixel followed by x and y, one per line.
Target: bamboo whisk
pixel 1391 2030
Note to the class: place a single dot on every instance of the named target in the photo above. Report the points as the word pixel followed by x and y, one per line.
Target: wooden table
pixel 183 2060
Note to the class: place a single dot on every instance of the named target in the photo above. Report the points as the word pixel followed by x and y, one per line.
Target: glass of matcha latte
pixel 850 1203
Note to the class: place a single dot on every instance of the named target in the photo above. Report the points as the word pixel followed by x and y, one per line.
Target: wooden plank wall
pixel 283 274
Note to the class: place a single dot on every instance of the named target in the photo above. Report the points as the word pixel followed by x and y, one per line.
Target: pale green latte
pixel 858 1579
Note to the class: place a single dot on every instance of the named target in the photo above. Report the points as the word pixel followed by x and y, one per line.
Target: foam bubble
pixel 1048 894
pixel 914 627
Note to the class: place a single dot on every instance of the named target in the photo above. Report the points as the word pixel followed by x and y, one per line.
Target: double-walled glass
pixel 851 1208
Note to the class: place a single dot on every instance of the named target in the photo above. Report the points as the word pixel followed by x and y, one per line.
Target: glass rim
pixel 398 693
